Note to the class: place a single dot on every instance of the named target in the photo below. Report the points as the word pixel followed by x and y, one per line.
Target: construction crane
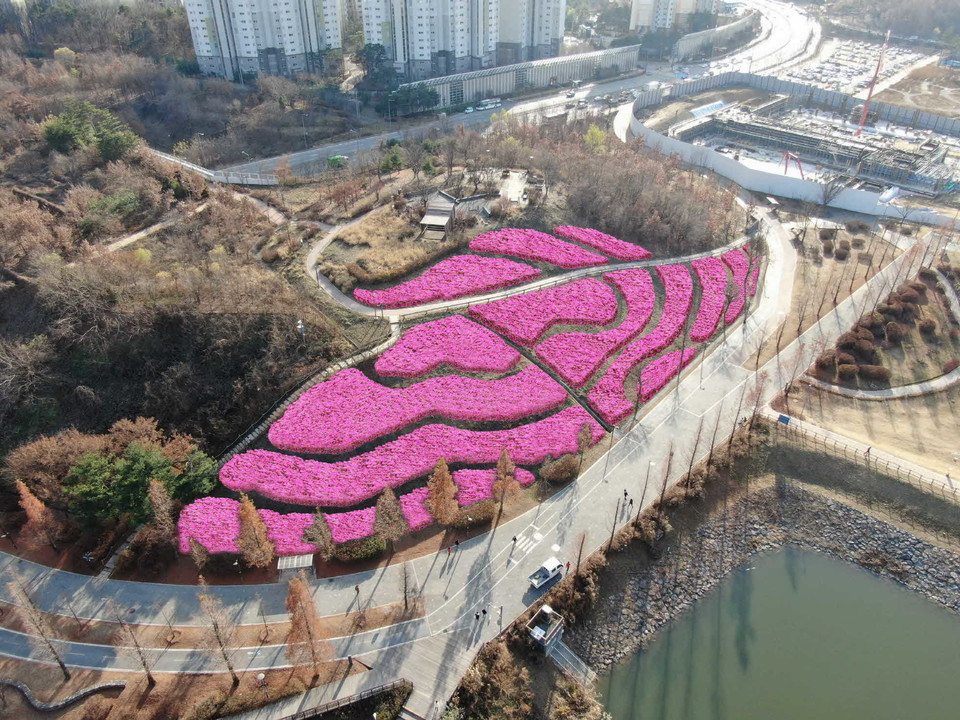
pixel 787 157
pixel 873 84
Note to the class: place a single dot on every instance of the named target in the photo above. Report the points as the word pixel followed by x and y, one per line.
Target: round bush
pixel 841 253
pixel 874 372
pixel 928 326
pixel 827 361
pixel 927 273
pixel 919 287
pixel 846 359
pixel 864 334
pixel 871 320
pixel 865 349
pixel 847 372
pixel 847 341
pixel 951 365
pixel 908 295
pixel 894 331
pixel 828 233
pixel 845 244
pixel 828 248
pixel 360 550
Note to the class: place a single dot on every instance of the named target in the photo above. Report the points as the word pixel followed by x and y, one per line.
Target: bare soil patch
pixel 923 430
pixel 932 88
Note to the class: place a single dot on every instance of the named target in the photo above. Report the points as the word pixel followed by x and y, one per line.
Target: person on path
pixel 449 549
pixel 868 450
pixel 476 615
pixel 624 494
pixel 568 566
pixel 631 502
pixel 356 589
pixel 456 545
pixel 514 539
pixel 484 613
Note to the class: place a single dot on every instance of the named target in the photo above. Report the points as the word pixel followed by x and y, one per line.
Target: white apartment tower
pixel 427 38
pixel 652 15
pixel 277 37
pixel 530 30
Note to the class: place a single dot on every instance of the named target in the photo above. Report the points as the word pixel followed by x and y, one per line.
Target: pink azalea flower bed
pixel 606 244
pixel 738 264
pixel 350 409
pixel 659 372
pixel 293 479
pixel 608 395
pixel 454 341
pixel 215 524
pixel 537 246
pixel 576 356
pixel 524 318
pixel 451 278
pixel 712 274
pixel 477 485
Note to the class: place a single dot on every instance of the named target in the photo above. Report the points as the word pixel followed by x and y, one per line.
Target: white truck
pixel 546 572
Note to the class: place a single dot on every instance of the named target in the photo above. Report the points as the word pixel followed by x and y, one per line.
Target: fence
pixel 831 443
pixel 231 177
pixel 342 702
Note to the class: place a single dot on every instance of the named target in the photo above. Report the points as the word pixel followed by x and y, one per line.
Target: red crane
pixel 873 84
pixel 787 157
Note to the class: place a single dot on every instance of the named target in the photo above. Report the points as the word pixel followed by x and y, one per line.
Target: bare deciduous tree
pixel 41 634
pixel 320 536
pixel 220 630
pixel 389 522
pixel 506 483
pixel 305 642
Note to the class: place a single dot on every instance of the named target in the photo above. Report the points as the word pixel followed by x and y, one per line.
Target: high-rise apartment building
pixel 277 37
pixel 652 15
pixel 530 30
pixel 426 38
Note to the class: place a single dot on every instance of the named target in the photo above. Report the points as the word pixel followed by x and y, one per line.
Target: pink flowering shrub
pixel 215 524
pixel 524 318
pixel 537 246
pixel 477 485
pixel 451 278
pixel 659 372
pixel 712 274
pixel 608 396
pixel 576 356
pixel 738 264
pixel 606 244
pixel 293 479
pixel 454 341
pixel 350 409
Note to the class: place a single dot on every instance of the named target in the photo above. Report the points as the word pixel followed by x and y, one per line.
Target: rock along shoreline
pixel 763 520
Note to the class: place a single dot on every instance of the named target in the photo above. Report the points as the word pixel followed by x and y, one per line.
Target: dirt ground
pixel 932 88
pixel 823 278
pixel 923 430
pixel 172 695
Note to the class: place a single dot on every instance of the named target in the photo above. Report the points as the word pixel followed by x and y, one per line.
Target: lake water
pixel 797 635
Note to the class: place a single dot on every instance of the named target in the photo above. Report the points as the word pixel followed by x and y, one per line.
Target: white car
pixel 469 110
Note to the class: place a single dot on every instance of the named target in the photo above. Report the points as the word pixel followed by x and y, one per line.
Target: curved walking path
pixel 489 571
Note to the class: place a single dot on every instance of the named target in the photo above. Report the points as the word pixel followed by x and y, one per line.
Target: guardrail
pixel 828 442
pixel 221 176
pixel 337 704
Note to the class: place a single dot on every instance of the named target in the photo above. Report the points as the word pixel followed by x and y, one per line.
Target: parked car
pixel 546 572
pixel 469 109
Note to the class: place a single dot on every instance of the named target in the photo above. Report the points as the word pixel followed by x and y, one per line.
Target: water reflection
pixel 797 636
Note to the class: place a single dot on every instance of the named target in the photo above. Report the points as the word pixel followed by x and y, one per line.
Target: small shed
pixel 438 215
pixel 546 626
pixel 292 564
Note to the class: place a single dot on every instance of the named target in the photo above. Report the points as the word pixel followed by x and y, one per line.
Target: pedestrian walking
pixel 624 494
pixel 484 613
pixel 631 502
pixel 476 615
pixel 449 549
pixel 456 545
pixel 514 539
pixel 868 450
pixel 568 566
pixel 356 589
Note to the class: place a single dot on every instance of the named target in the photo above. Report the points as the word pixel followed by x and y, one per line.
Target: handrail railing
pixel 349 700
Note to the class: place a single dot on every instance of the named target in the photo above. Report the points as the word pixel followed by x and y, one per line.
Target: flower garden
pixel 526 373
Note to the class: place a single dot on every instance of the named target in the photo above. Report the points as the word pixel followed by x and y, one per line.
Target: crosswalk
pixel 525 543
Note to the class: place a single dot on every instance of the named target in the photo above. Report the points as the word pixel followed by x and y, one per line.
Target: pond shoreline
pixel 762 520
